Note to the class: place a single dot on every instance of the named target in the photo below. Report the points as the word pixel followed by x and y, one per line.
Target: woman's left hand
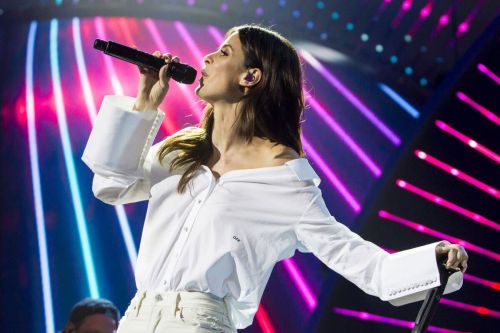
pixel 454 254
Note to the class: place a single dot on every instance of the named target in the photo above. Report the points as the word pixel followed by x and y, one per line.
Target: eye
pixel 223 52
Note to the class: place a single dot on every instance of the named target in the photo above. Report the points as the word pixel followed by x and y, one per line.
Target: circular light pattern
pixel 349 26
pixel 335 15
pixel 282 3
pixel 423 81
pixel 439 60
pixel 408 70
pixel 365 37
pixel 423 49
pixel 323 36
pixel 296 13
pixel 191 3
pixel 393 59
pixel 408 38
pixel 224 7
pixel 259 11
pixel 379 48
pixel 310 25
pixel 320 5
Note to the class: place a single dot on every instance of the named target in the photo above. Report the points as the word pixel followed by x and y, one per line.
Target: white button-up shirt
pixel 224 236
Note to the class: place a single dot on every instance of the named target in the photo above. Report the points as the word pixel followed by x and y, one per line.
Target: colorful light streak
pixel 443 20
pixel 468 141
pixel 349 95
pixel 69 162
pixel 344 136
pixel 91 110
pixel 263 320
pixel 457 173
pixel 48 307
pixel 478 107
pixel 387 320
pixel 191 44
pixel 422 15
pixel 332 177
pixel 474 308
pixel 463 26
pixel 484 282
pixel 301 284
pixel 185 90
pixel 405 8
pixel 426 230
pixel 115 82
pixel 485 70
pixel 445 203
pixel 399 100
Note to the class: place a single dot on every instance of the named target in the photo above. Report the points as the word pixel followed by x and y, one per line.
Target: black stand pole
pixel 432 298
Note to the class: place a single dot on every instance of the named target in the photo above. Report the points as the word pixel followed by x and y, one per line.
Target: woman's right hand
pixel 153 86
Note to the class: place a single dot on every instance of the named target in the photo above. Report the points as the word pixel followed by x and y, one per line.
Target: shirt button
pixel 158 297
pixel 199 201
pixel 185 229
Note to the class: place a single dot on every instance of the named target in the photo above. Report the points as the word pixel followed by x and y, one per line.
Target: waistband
pixel 179 299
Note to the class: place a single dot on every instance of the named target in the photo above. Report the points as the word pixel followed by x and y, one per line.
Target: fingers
pixel 454 254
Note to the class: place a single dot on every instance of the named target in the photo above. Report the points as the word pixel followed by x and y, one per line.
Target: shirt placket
pixel 187 226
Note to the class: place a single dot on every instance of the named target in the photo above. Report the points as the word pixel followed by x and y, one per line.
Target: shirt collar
pixel 303 170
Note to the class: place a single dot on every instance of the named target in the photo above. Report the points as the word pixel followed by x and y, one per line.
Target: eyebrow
pixel 227 46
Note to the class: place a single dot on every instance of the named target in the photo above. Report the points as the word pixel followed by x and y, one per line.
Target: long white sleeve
pixel 401 277
pixel 119 151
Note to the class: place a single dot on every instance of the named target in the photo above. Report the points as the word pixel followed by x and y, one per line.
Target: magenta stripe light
pixel 349 95
pixel 115 82
pixel 216 34
pixel 450 205
pixel 485 70
pixel 468 141
pixel 344 136
pixel 332 177
pixel 457 173
pixel 426 230
pixel 300 282
pixel 484 282
pixel 192 46
pixel 387 320
pixel 478 107
pixel 474 308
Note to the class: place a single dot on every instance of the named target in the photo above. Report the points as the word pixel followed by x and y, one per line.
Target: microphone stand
pixel 432 298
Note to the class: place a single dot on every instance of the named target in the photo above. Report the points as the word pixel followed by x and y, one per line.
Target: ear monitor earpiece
pixel 249 77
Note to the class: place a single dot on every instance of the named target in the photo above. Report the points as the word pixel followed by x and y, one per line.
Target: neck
pixel 224 137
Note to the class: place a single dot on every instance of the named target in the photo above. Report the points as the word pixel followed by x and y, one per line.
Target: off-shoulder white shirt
pixel 224 236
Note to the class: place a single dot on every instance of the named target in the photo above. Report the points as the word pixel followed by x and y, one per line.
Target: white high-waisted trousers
pixel 178 312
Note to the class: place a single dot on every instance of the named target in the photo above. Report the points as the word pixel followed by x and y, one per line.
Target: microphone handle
pixel 179 72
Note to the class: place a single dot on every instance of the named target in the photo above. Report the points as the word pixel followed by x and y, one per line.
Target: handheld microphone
pixel 181 73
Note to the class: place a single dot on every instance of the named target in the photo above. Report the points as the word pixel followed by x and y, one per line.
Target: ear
pixel 251 77
pixel 69 328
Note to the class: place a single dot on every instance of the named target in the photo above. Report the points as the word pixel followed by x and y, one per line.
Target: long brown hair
pixel 271 109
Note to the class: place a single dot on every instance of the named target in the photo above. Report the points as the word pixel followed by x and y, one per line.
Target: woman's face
pixel 224 73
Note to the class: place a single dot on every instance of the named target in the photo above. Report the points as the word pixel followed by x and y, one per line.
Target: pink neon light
pixel 298 279
pixel 463 27
pixel 332 177
pixel 474 308
pixel 264 321
pixel 387 320
pixel 115 82
pixel 421 228
pixel 186 36
pixel 478 107
pixel 426 11
pixel 344 136
pixel 216 34
pixel 457 173
pixel 484 282
pixel 489 73
pixel 406 6
pixel 353 99
pixel 468 141
pixel 450 205
pixel 444 19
